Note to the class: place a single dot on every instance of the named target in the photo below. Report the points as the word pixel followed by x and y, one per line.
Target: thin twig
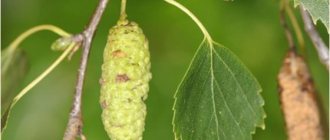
pixel 295 25
pixel 74 126
pixel 320 46
pixel 288 32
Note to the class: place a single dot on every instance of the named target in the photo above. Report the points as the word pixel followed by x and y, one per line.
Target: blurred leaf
pixel 13 69
pixel 218 98
pixel 319 10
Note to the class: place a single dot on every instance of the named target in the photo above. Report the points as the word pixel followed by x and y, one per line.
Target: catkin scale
pixel 124 82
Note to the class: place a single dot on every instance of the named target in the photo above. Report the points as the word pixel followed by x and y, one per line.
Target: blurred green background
pixel 250 28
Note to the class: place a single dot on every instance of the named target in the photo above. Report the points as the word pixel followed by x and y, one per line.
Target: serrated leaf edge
pixel 314 18
pixel 262 125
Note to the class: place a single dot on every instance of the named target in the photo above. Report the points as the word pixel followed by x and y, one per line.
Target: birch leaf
pixel 218 98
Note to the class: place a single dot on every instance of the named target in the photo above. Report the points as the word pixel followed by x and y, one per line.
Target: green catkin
pixel 124 82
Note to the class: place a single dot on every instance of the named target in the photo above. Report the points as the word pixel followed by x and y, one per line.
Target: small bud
pixel 62 43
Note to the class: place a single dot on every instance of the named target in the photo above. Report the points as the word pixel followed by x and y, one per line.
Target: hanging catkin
pixel 124 82
pixel 298 99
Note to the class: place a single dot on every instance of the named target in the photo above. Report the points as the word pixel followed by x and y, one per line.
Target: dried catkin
pixel 124 82
pixel 298 100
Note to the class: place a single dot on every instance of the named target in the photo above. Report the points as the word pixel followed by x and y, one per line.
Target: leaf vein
pixel 227 107
pixel 239 85
pixel 212 91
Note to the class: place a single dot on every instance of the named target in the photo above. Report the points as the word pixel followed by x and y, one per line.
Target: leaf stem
pixel 194 18
pixel 10 50
pixel 35 29
pixel 28 33
pixel 44 74
pixel 39 78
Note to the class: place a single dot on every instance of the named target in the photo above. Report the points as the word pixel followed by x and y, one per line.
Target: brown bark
pixel 75 123
pixel 300 107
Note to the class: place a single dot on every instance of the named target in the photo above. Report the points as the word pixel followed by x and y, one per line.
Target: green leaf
pixel 319 10
pixel 218 98
pixel 13 69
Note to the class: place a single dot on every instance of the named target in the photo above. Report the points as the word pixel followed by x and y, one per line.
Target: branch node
pixel 75 123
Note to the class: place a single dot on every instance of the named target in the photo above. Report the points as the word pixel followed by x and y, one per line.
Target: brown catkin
pixel 300 108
